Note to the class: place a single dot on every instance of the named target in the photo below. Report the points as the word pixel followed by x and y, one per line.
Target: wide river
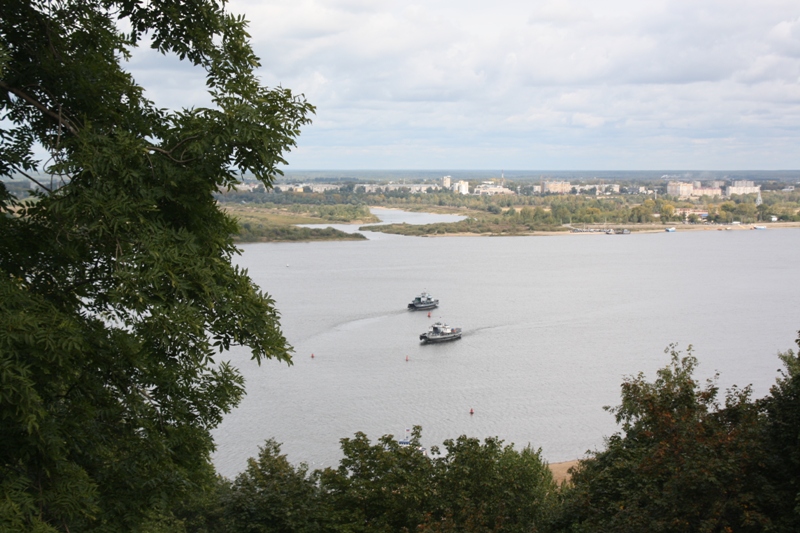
pixel 552 326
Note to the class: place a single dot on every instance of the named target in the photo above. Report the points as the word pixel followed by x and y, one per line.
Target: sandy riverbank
pixel 660 228
pixel 561 470
pixel 643 228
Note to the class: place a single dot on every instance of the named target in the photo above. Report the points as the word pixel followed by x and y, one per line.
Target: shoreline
pixel 596 229
pixel 634 230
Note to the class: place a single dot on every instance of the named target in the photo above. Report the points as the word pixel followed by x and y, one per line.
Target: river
pixel 551 327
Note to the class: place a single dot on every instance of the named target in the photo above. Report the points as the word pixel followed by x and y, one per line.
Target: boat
pixel 670 230
pixel 423 301
pixel 440 332
pixel 407 442
pixel 759 227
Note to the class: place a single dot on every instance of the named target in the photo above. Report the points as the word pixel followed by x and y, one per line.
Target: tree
pixel 490 486
pixel 682 463
pixel 473 487
pixel 782 431
pixel 379 487
pixel 641 213
pixel 667 211
pixel 116 284
pixel 272 495
pixel 527 214
pixel 746 211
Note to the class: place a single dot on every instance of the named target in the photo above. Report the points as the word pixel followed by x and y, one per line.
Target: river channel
pixel 552 324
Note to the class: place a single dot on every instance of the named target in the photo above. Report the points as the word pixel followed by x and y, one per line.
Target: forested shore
pixel 521 214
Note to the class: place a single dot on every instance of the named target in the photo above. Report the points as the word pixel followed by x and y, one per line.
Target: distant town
pixel 505 203
pixel 515 203
pixel 677 189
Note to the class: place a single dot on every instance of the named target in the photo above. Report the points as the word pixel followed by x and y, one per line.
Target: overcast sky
pixel 508 84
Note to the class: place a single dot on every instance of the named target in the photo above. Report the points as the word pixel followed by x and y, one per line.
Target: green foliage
pixel 254 232
pixel 491 487
pixel 335 213
pixel 381 487
pixel 549 210
pixel 683 463
pixel 388 486
pixel 782 408
pixel 271 495
pixel 473 487
pixel 495 225
pixel 116 286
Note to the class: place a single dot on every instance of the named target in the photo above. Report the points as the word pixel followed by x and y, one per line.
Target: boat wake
pixel 365 321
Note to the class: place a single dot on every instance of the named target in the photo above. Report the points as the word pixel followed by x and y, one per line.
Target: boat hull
pixel 421 307
pixel 432 339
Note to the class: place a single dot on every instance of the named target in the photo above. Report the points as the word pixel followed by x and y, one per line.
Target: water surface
pixel 552 325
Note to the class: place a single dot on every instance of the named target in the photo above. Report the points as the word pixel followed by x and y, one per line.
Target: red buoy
pixel 312 356
pixel 406 358
pixel 471 412
pixel 429 314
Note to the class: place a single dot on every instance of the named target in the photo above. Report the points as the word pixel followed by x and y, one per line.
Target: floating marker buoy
pixel 312 356
pixel 429 314
pixel 406 358
pixel 472 412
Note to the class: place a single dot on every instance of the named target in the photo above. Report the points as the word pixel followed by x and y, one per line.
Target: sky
pixel 508 84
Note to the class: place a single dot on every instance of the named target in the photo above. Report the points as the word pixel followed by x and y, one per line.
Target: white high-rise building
pixel 742 187
pixel 680 189
pixel 557 187
pixel 461 187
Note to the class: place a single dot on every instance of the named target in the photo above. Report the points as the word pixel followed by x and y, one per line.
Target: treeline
pixel 682 462
pixel 510 223
pixel 332 208
pixel 257 232
pixel 332 212
pixel 386 487
pixel 551 209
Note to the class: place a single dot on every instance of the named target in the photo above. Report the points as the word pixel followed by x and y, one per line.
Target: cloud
pixel 618 83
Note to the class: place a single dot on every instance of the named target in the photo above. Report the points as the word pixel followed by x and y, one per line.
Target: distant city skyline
pixel 789 176
pixel 574 84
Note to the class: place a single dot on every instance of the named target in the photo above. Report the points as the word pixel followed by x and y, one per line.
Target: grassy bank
pixel 262 224
pixel 485 225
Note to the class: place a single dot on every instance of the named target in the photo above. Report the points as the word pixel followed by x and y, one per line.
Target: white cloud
pixel 554 84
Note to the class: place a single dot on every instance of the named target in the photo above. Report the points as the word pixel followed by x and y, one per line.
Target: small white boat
pixel 440 332
pixel 759 227
pixel 670 230
pixel 423 301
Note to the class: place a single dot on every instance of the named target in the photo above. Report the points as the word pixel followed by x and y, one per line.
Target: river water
pixel 551 326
